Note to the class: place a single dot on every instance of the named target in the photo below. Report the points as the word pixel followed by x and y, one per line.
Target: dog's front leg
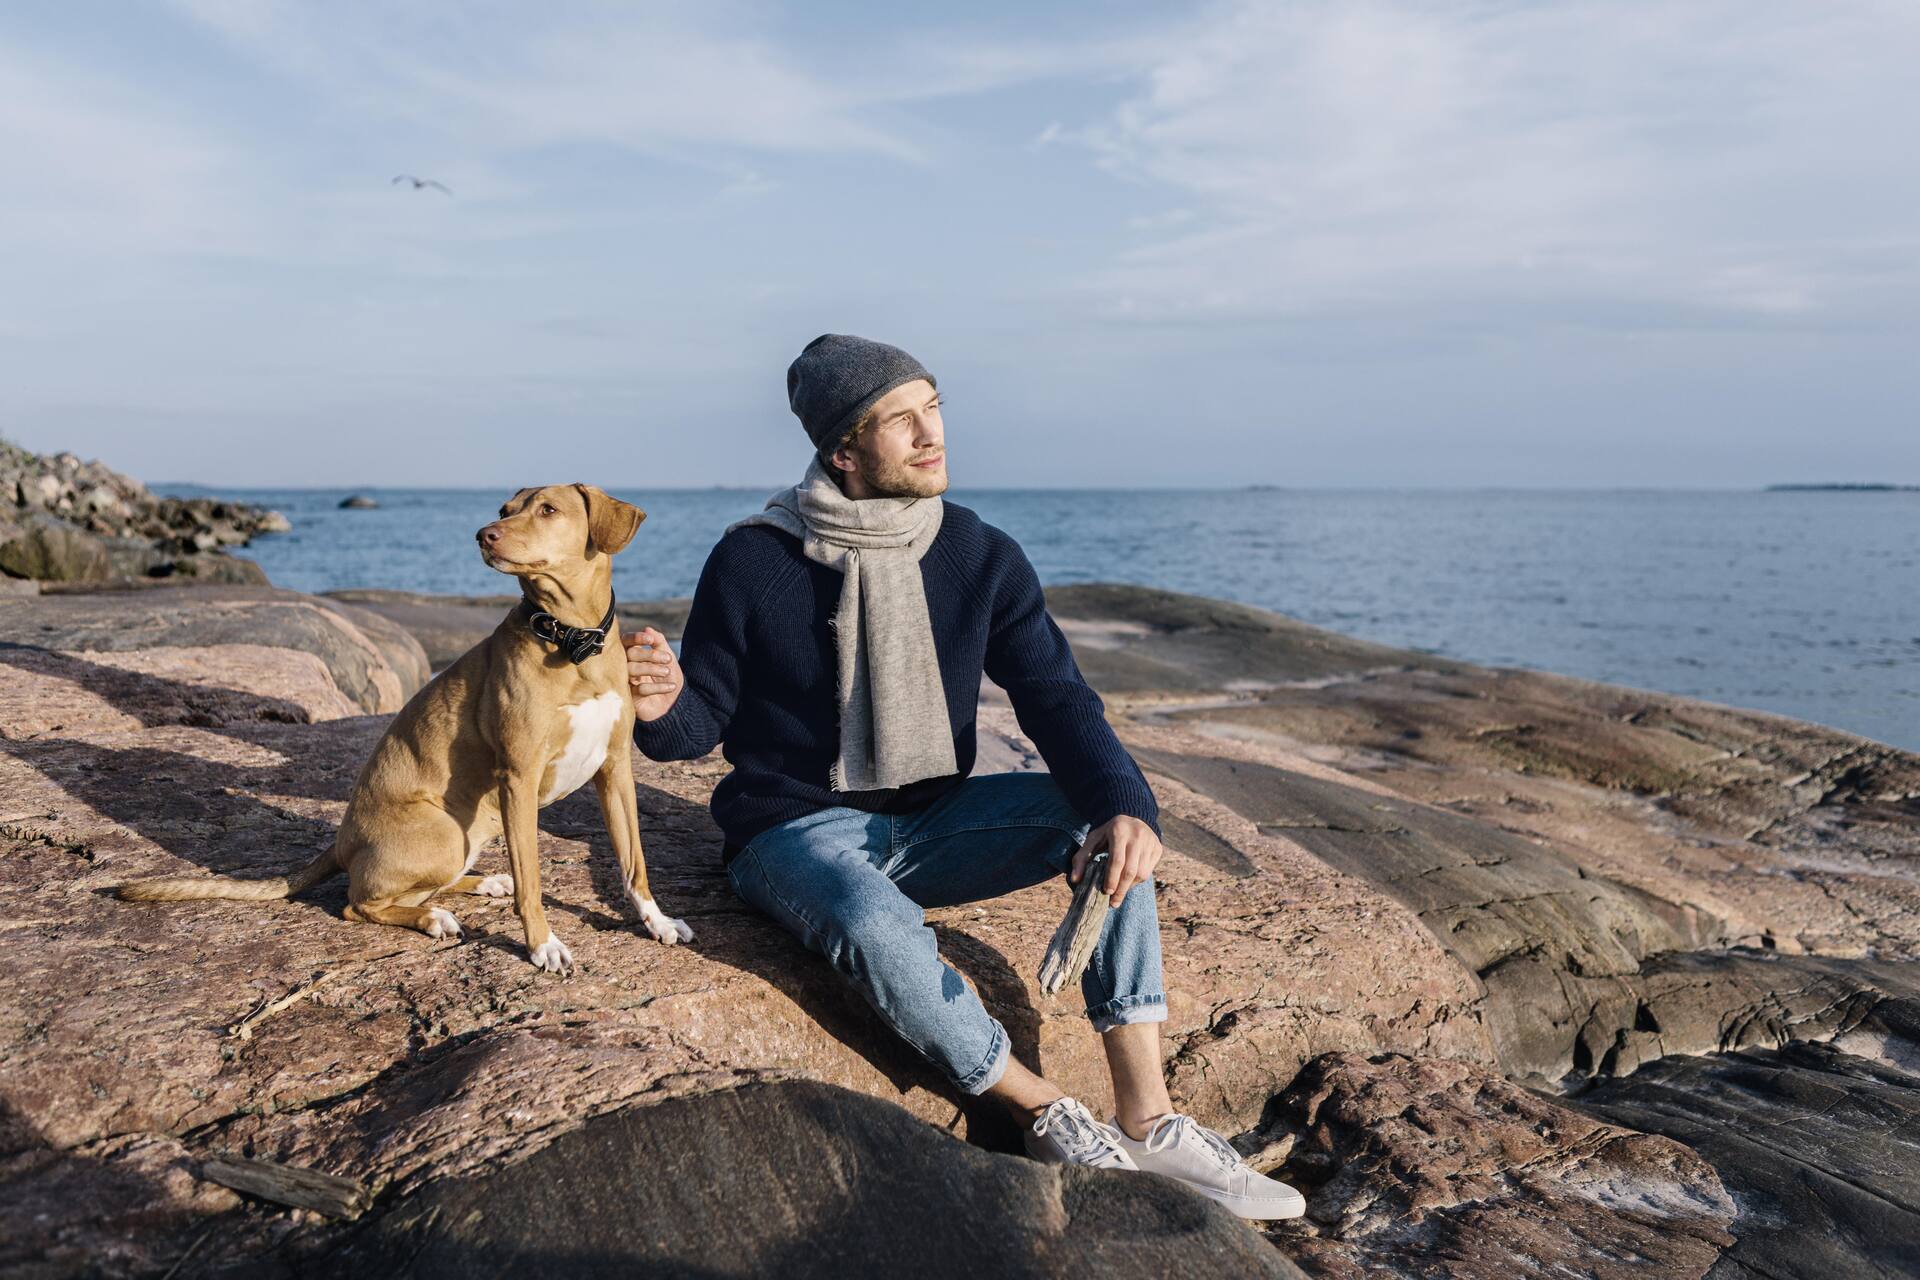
pixel 621 808
pixel 520 818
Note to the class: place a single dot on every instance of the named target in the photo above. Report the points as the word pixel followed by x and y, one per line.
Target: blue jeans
pixel 852 885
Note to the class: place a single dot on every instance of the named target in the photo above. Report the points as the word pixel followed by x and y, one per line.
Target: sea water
pixel 1807 604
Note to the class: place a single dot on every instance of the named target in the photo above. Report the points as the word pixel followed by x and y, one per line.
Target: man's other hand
pixel 653 674
pixel 1133 851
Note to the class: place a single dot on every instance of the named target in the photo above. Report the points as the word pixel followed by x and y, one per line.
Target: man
pixel 835 647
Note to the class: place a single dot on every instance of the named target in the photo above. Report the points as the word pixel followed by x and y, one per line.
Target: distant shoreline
pixel 1843 488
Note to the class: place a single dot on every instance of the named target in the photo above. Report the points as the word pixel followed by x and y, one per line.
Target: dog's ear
pixel 610 522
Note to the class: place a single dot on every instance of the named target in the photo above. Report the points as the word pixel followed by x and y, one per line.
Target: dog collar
pixel 578 643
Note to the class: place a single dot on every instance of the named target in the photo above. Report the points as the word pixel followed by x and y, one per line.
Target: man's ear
pixel 610 522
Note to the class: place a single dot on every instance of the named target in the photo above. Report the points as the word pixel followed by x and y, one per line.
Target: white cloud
pixel 1684 158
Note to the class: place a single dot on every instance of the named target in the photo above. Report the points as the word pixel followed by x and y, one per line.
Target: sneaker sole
pixel 1250 1209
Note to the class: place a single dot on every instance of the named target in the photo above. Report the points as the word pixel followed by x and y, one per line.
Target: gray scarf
pixel 894 727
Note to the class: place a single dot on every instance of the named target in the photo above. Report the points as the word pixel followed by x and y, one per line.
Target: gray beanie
pixel 838 377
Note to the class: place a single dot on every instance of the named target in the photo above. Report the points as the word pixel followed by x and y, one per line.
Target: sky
pixel 1672 243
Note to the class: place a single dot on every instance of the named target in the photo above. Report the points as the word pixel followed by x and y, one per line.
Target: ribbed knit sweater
pixel 758 658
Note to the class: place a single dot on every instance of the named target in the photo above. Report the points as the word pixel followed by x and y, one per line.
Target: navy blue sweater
pixel 760 678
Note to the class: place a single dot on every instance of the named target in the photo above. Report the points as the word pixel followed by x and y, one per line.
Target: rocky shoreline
pixel 64 521
pixel 1513 974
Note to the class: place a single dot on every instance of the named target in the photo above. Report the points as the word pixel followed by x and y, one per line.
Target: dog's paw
pixel 495 886
pixel 441 923
pixel 662 926
pixel 551 955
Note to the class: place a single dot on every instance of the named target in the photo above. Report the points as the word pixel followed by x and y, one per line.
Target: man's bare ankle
pixel 1033 1112
pixel 1138 1127
pixel 1029 1105
pixel 1024 1093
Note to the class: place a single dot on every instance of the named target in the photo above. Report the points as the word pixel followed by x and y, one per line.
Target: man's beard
pixel 901 480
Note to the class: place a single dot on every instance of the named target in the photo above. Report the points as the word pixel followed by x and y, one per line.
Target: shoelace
pixel 1080 1132
pixel 1168 1132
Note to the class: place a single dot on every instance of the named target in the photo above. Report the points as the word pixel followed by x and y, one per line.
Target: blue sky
pixel 1373 242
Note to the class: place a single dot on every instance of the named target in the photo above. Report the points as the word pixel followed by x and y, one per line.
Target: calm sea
pixel 1802 603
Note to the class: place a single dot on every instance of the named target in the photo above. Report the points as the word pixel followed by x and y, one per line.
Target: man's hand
pixel 1133 851
pixel 653 674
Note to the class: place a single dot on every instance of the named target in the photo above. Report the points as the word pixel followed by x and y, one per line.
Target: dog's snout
pixel 489 535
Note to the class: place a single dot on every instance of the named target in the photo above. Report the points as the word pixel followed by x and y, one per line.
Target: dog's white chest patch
pixel 586 749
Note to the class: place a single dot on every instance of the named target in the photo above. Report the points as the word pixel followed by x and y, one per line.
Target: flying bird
pixel 422 182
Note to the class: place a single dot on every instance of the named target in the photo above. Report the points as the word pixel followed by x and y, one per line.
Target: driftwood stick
pixel 243 1029
pixel 1079 930
pixel 290 1185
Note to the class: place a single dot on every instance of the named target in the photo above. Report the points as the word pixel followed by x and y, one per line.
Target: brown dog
pixel 523 718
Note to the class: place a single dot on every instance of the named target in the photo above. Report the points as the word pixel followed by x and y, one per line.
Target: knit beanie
pixel 838 377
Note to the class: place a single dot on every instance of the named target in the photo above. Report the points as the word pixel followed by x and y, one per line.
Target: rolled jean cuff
pixel 988 1073
pixel 1126 1010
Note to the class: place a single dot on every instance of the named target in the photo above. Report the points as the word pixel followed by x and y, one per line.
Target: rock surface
pixel 1477 874
pixel 372 663
pixel 833 1184
pixel 1821 1148
pixel 64 520
pixel 1449 1164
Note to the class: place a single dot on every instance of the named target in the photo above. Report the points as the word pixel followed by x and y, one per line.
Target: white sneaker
pixel 1179 1147
pixel 1067 1133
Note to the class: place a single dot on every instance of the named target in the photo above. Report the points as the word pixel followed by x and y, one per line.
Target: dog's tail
pixel 186 888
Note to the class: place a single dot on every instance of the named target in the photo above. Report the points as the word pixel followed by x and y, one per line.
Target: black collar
pixel 578 643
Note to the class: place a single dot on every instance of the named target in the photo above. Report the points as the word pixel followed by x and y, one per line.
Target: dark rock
pixel 137 563
pixel 63 520
pixel 210 568
pixel 1203 845
pixel 38 546
pixel 1820 1147
pixel 794 1180
pixel 53 1202
pixel 1136 639
pixel 1689 1002
pixel 358 502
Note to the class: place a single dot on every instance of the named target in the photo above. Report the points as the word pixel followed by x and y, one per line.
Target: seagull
pixel 422 182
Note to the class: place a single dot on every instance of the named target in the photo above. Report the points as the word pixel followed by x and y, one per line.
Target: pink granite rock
pixel 1334 887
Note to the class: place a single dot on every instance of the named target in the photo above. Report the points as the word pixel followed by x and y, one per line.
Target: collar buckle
pixel 577 643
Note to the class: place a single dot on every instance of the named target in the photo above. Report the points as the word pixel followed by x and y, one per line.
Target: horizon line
pixel 1789 486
